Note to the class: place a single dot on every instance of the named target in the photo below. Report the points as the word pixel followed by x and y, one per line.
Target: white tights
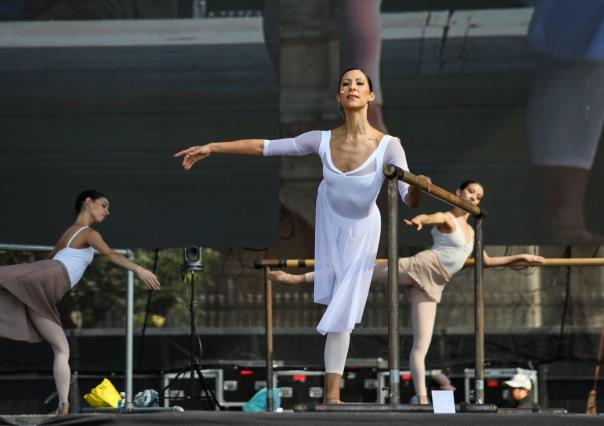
pixel 54 334
pixel 336 349
pixel 423 314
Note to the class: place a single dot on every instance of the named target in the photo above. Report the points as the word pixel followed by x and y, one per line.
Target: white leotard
pixel 451 248
pixel 75 260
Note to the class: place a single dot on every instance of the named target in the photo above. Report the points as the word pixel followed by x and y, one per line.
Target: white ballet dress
pixel 348 224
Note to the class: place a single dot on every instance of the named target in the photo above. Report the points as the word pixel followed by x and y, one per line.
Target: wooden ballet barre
pixel 553 261
pixel 294 263
pixel 562 261
pixel 434 190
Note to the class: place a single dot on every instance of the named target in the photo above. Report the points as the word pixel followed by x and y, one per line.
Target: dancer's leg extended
pixel 380 274
pixel 423 314
pixel 54 334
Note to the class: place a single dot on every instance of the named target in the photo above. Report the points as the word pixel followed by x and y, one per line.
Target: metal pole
pixel 479 312
pixel 393 329
pixel 268 303
pixel 129 333
pixel 192 360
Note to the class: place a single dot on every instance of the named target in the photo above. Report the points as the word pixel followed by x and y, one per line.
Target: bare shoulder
pixel 62 241
pixel 91 233
pixel 448 224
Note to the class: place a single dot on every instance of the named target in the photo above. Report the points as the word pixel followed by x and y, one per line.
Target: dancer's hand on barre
pixel 192 155
pixel 285 278
pixel 414 196
pixel 427 180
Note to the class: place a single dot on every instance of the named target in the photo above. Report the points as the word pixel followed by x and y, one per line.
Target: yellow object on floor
pixel 103 395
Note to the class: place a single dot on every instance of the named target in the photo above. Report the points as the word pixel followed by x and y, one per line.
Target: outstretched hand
pixel 414 223
pixel 149 278
pixel 285 278
pixel 192 155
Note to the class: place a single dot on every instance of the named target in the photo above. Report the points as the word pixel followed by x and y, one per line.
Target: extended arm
pixel 303 144
pixel 94 239
pixel 507 260
pixel 443 221
pixel 192 155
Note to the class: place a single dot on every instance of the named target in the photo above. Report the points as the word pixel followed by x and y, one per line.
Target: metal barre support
pixel 391 171
pixel 394 174
pixel 393 316
pixel 268 311
pixel 479 312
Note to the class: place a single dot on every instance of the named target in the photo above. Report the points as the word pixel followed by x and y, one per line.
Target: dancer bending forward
pixel 29 292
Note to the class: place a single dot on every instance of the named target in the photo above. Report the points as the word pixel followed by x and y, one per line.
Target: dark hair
pixel 93 194
pixel 467 183
pixel 364 73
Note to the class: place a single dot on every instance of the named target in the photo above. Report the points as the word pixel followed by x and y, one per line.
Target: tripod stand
pixel 193 366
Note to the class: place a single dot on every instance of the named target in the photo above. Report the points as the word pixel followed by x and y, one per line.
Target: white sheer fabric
pixel 348 224
pixel 310 142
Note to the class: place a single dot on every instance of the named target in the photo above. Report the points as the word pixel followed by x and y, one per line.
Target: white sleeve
pixel 304 144
pixel 395 154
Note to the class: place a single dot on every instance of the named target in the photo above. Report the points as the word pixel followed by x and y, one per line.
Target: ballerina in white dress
pixel 347 228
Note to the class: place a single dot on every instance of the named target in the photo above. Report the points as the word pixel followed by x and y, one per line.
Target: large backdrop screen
pixel 105 103
pixel 101 94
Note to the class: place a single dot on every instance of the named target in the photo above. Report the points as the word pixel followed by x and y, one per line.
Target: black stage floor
pixel 289 418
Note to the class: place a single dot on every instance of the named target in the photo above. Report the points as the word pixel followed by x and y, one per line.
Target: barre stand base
pixel 389 408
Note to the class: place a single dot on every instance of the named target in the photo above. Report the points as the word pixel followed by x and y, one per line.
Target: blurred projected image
pixel 127 9
pixel 92 98
pixel 512 93
pixel 566 110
